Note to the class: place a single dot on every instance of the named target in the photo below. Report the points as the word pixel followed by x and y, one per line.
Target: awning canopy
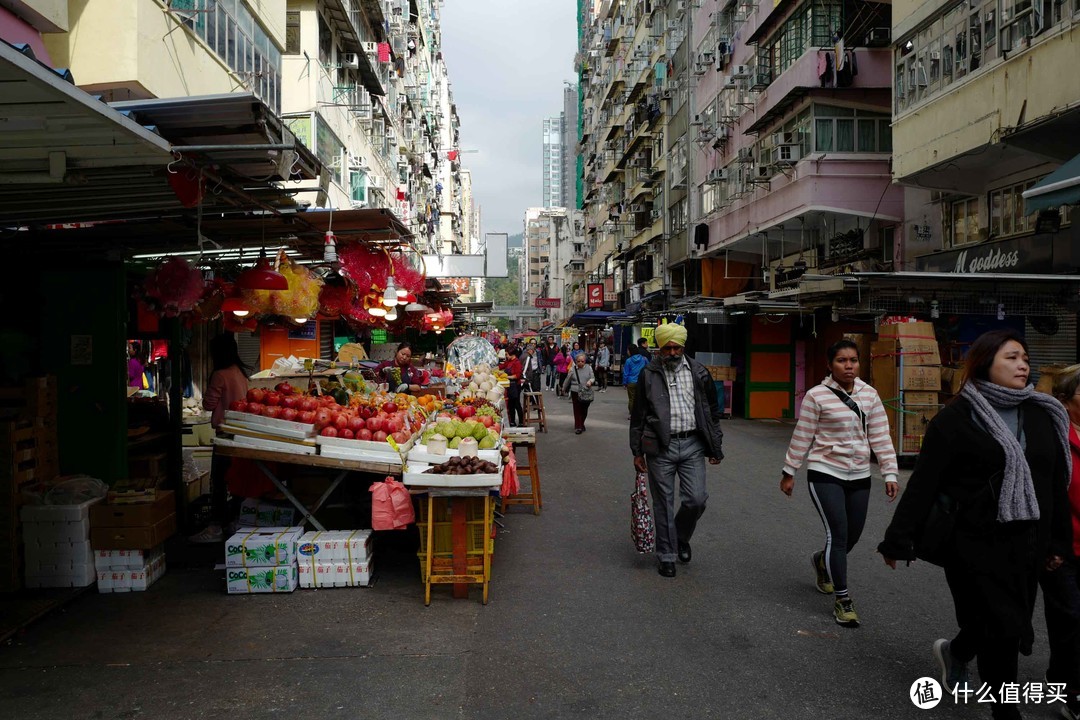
pixel 597 317
pixel 1061 187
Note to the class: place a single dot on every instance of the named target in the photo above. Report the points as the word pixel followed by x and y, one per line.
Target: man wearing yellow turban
pixel 674 426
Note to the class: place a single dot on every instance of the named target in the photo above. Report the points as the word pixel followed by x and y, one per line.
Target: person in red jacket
pixel 1061 587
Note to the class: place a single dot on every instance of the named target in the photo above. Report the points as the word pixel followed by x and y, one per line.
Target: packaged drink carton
pixel 334 546
pixel 256 513
pixel 260 547
pixel 248 580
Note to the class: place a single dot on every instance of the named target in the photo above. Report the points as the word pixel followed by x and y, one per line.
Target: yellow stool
pixel 534 402
pixel 531 471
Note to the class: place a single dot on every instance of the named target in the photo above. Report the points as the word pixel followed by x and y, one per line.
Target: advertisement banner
pixel 596 295
pixel 548 302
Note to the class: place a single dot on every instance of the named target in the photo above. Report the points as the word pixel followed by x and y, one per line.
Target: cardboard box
pixel 256 547
pixel 921 378
pixel 241 580
pixel 917 417
pixel 915 342
pixel 255 513
pixel 143 537
pixel 952 379
pixel 915 397
pixel 134 515
pixel 341 546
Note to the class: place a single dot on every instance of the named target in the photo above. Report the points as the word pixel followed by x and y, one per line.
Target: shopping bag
pixel 642 528
pixel 391 505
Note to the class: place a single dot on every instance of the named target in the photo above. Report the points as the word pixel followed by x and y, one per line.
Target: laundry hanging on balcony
pixel 384 52
pixel 834 74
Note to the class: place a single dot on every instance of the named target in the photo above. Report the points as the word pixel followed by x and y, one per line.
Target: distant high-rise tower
pixel 569 147
pixel 553 161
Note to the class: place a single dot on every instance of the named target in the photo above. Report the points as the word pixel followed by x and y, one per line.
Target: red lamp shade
pixel 262 277
pixel 235 305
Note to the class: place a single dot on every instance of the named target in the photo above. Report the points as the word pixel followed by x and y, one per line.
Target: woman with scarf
pixel 1000 454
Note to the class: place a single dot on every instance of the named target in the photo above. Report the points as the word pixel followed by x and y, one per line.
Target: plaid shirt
pixel 681 391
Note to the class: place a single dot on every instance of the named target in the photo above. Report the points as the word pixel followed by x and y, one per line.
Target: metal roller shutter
pixel 1048 345
pixel 249 347
pixel 326 341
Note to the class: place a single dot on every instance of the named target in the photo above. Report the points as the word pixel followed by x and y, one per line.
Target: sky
pixel 507 60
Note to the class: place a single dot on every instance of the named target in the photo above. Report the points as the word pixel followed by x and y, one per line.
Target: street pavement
pixel 578 624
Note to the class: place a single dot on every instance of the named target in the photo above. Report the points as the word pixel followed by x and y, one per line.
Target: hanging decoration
pixel 174 287
pixel 213 297
pixel 301 299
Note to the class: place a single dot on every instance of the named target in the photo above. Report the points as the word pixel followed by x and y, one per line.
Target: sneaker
pixel 209 534
pixel 824 585
pixel 953 672
pixel 844 612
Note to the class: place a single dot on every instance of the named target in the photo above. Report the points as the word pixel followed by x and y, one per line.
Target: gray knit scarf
pixel 1017 500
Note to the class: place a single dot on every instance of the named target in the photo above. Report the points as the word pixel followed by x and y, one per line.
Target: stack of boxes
pixel 128 570
pixel 57 545
pixel 258 513
pixel 262 560
pixel 907 375
pixel 198 451
pixel 335 558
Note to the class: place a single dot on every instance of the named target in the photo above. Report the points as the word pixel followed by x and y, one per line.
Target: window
pixel 812 25
pixel 839 129
pixel 1007 213
pixel 358 187
pixel 964 222
pixel 292 33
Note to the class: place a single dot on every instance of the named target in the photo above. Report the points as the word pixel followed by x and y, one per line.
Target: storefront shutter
pixel 326 341
pixel 248 345
pixel 1057 348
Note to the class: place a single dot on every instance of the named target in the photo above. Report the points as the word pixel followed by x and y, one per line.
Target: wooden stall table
pixel 261 456
pixel 525 436
pixel 461 573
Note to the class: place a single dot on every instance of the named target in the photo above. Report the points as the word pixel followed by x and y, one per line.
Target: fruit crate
pixel 442 535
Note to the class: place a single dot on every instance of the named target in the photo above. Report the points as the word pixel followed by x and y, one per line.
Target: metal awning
pixel 344 19
pixel 60 146
pixel 1061 187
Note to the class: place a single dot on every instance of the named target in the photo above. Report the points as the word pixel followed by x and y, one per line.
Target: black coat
pixel 652 409
pixel 962 460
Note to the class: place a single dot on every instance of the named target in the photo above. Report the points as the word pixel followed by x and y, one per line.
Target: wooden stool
pixel 534 401
pixel 531 471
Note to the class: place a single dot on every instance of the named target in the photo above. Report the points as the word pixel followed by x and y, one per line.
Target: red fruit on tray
pixel 256 408
pixel 401 437
pixel 365 412
pixel 347 434
pixel 356 423
pixel 392 426
pixel 363 434
pixel 324 416
pixel 309 403
pixel 290 401
pixel 238 406
pixel 374 424
pixel 284 388
pixel 389 408
pixel 256 395
pixel 289 414
pixel 306 416
pixel 329 431
pixel 378 436
pixel 486 420
pixel 341 421
pixel 273 411
pixel 273 398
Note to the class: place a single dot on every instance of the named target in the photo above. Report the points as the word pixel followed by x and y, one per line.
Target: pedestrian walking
pixel 603 362
pixel 674 426
pixel 841 422
pixel 1061 587
pixel 576 350
pixel 631 369
pixel 512 368
pixel 580 383
pixel 551 375
pixel 562 364
pixel 999 457
pixel 530 369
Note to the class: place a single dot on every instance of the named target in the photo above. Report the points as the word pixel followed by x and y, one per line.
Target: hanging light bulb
pixel 236 306
pixel 301 320
pixel 391 314
pixel 377 311
pixel 402 292
pixel 439 331
pixel 390 294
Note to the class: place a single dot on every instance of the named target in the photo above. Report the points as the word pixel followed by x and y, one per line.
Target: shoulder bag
pixel 854 407
pixel 585 394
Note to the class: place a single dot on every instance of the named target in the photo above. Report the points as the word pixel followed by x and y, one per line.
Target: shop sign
pixel 1032 255
pixel 610 296
pixel 460 285
pixel 547 302
pixel 304 332
pixel 596 295
pixel 647 333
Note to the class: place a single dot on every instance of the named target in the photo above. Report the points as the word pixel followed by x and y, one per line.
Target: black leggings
pixel 842 505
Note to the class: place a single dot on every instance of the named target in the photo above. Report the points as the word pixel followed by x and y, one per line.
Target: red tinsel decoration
pixel 334 300
pixel 175 287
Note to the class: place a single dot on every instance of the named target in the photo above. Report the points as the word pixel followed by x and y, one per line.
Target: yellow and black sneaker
pixel 844 611
pixel 824 586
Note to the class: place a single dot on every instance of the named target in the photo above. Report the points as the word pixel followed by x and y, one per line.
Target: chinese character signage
pixel 596 295
pixel 547 302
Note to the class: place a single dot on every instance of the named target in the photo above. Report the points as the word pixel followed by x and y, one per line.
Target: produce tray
pixel 339 453
pixel 265 434
pixel 283 446
pixel 288 428
pixel 419 453
pixel 368 445
pixel 417 478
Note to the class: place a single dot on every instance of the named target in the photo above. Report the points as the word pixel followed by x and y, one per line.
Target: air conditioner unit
pixel 731 83
pixel 763 172
pixel 371 48
pixel 637 208
pixel 786 154
pixel 746 155
pixel 680 6
pixel 723 46
pixel 356 162
pixel 350 60
pixel 673 25
pixel 879 37
pixel 706 56
pixel 697 121
pixel 740 71
pixel 654 214
pixel 935 54
pixel 717 175
pixel 783 138
pixel 375 182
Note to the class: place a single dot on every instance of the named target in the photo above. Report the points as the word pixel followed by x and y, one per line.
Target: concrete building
pixel 570 128
pixel 553 161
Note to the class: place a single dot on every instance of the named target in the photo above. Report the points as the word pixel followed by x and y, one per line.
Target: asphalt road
pixel 578 624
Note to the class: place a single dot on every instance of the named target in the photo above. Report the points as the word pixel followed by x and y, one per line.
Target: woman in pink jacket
pixel 562 365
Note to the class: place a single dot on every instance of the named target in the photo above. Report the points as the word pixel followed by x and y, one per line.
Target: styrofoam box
pixel 256 547
pixel 58 555
pixel 416 477
pixel 125 559
pixel 334 546
pixel 56 513
pixel 50 533
pixel 77 576
pixel 249 580
pixel 285 428
pixel 420 453
pixel 131 579
pixel 324 575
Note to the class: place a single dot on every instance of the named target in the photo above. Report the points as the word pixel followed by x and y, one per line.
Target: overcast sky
pixel 507 60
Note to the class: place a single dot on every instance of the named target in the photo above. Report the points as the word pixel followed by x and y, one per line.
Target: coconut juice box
pixel 261 547
pixel 248 580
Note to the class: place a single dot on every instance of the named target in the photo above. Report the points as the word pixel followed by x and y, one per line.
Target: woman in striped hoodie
pixel 841 422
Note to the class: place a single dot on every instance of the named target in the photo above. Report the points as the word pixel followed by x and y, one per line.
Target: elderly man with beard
pixel 674 427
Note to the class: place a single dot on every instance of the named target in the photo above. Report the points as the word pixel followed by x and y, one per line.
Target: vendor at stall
pixel 412 376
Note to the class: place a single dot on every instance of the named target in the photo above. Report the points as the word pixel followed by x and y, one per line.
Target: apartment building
pixel 568 197
pixel 553 260
pixel 553 161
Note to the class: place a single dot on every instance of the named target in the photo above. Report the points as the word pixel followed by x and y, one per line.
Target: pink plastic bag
pixel 391 505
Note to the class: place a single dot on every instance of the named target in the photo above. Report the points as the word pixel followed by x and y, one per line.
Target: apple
pixel 374 424
pixel 273 411
pixel 389 408
pixel 284 388
pixel 306 416
pixel 347 434
pixel 401 437
pixel 324 416
pixel 466 411
pixel 256 408
pixel 309 404
pixel 256 395
pixel 238 406
pixel 355 423
pixel 363 434
pixel 289 414
pixel 378 436
pixel 393 426
pixel 329 431
pixel 487 420
pixel 341 421
pixel 290 401
pixel 273 398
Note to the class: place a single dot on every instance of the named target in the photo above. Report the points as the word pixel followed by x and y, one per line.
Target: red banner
pixel 596 295
pixel 547 302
